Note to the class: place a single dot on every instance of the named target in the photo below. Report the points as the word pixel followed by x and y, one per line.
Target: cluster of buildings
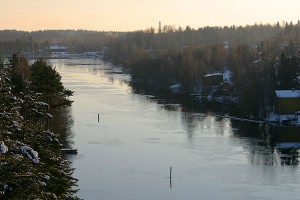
pixel 286 110
pixel 57 51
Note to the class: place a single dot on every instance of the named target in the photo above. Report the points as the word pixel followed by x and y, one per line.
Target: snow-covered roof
pixel 176 88
pixel 288 93
pixel 275 117
pixel 213 74
pixel 288 145
pixel 57 47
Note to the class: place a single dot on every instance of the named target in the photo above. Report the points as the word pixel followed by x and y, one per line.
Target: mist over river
pixel 127 155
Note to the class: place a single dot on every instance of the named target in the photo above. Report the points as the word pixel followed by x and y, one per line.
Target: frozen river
pixel 128 153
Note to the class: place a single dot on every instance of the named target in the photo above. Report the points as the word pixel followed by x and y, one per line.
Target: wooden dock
pixel 69 151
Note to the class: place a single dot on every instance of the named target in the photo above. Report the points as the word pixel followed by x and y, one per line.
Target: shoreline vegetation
pixel 33 128
pixel 260 58
pixel 239 66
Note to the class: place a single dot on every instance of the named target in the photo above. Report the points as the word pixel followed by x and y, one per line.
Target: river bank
pixel 118 156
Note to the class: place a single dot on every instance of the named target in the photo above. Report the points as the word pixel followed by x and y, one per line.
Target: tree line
pixel 171 55
pixel 262 58
pixel 38 42
pixel 32 100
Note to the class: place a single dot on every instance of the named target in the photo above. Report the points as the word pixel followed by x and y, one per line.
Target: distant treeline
pixel 262 58
pixel 12 41
pixel 258 56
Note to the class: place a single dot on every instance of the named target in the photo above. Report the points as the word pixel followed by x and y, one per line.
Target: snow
pixel 213 74
pixel 175 88
pixel 49 115
pixel 4 187
pixel 275 117
pixel 42 183
pixel 4 115
pixel 257 61
pixel 51 137
pixel 47 178
pixel 40 103
pixel 3 148
pixel 288 145
pixel 288 93
pixel 57 47
pixel 31 154
pixel 15 123
pixel 227 75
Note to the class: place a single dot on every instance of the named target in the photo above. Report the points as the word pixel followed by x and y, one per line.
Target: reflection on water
pixel 263 149
pixel 143 131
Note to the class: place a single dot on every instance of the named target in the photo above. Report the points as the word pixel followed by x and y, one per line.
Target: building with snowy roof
pixel 213 79
pixel 287 102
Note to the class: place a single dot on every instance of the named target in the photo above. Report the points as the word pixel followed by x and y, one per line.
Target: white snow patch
pixel 4 187
pixel 175 88
pixel 3 148
pixel 40 103
pixel 288 145
pixel 227 76
pixel 273 117
pixel 57 47
pixel 42 183
pixel 49 115
pixel 31 154
pixel 15 123
pixel 287 93
pixel 213 74
pixel 47 178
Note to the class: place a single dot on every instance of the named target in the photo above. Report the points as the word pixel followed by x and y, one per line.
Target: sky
pixel 131 15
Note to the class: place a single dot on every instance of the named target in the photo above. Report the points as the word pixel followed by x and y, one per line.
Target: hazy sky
pixel 129 15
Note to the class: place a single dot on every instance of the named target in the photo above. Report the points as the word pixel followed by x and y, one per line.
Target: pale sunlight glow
pixel 130 15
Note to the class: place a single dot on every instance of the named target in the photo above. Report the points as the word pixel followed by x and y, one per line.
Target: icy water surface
pixel 128 154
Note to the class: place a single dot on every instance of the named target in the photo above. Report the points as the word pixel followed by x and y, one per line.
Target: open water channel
pixel 127 155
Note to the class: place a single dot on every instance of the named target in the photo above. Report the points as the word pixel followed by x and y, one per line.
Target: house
pixel 226 85
pixel 285 122
pixel 213 79
pixel 287 102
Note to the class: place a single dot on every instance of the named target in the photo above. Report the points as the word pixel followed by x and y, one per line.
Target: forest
pixel 34 125
pixel 260 57
pixel 35 116
pixel 38 42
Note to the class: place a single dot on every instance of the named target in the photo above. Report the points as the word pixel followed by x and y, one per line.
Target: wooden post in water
pixel 170 177
pixel 98 118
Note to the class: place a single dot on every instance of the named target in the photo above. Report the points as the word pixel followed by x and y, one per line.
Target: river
pixel 127 155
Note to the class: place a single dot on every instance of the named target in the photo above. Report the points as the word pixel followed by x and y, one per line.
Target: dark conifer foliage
pixel 31 165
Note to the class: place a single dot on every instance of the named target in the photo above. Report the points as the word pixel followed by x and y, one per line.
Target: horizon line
pixel 281 24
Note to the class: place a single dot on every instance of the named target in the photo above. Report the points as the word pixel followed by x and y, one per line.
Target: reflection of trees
pixel 261 145
pixel 260 154
pixel 62 124
pixel 289 156
pixel 263 155
pixel 256 139
pixel 206 123
pixel 190 121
